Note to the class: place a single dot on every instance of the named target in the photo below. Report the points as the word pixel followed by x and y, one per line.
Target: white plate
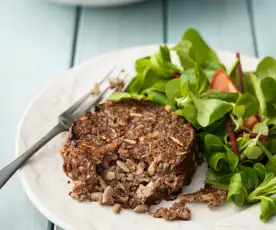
pixel 46 185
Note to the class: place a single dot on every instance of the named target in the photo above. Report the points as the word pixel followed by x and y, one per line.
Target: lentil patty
pixel 132 153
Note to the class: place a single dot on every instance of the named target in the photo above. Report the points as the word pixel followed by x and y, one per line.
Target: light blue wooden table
pixel 39 40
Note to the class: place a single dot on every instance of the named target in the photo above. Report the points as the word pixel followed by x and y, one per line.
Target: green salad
pixel 232 111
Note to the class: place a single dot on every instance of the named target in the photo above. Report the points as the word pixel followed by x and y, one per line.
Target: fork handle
pixel 7 172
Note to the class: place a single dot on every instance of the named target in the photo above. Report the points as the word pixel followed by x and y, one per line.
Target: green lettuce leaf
pixel 117 96
pixel 193 49
pixel 189 111
pixel 228 97
pixel 202 53
pixel 218 179
pixel 172 89
pixel 266 68
pixel 210 110
pixel 268 207
pixel 155 96
pixel 161 63
pixel 237 191
pixel 249 103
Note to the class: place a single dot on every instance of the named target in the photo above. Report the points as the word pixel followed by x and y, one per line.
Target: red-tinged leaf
pixel 240 73
pixel 262 137
pixel 232 135
pixel 176 75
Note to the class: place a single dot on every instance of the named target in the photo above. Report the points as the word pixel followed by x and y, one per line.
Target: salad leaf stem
pixel 261 137
pixel 237 122
pixel 244 146
pixel 232 135
pixel 254 135
pixel 181 102
pixel 242 156
pixel 240 73
pixel 265 150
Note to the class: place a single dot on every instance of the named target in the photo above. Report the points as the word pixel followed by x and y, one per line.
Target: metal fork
pixel 65 121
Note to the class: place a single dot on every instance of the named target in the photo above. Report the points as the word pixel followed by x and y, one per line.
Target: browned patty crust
pixel 210 195
pixel 133 153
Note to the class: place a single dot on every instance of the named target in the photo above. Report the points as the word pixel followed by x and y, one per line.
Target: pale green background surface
pixel 40 40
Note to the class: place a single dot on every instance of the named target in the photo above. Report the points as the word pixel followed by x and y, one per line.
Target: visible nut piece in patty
pixel 178 211
pixel 107 195
pixel 123 166
pixel 116 208
pixel 213 196
pixel 141 208
pixel 110 176
pixel 132 153
pixel 96 196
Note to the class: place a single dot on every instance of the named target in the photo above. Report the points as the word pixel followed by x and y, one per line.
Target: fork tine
pixel 94 102
pixel 99 98
pixel 125 77
pixel 105 94
pixel 86 103
pixel 77 104
pixel 113 90
pixel 107 75
pixel 126 83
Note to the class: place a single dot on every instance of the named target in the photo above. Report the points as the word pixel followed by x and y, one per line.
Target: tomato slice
pixel 221 82
pixel 250 122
